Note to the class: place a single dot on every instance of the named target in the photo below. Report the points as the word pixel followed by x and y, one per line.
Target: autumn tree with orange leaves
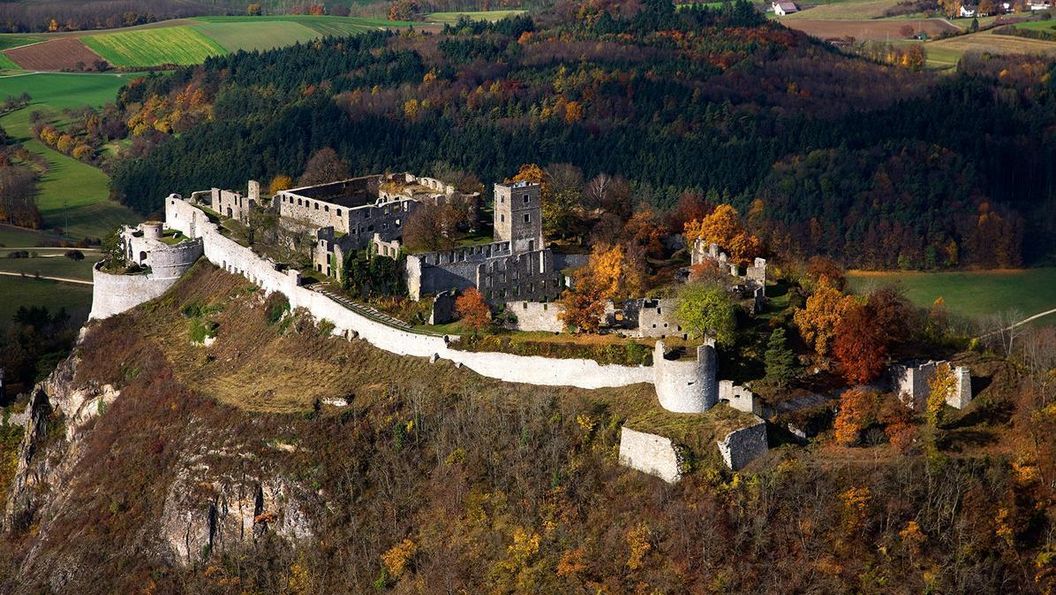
pixel 860 345
pixel 724 227
pixel 609 273
pixel 819 319
pixel 858 409
pixel 473 310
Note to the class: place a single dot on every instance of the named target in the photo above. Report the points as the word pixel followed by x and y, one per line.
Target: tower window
pixel 527 217
pixel 526 198
pixel 502 218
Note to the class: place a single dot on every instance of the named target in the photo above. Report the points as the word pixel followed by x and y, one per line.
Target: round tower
pixel 687 386
pixel 151 230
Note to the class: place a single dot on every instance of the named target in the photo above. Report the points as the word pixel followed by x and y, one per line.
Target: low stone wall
pixel 537 316
pixel 649 453
pixel 744 445
pixel 114 294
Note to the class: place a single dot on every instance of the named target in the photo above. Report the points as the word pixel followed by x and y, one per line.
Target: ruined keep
pixel 754 275
pixel 515 266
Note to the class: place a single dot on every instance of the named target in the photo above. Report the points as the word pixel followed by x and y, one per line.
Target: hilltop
pixel 281 459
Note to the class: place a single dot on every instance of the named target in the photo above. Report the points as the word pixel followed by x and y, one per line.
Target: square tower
pixel 518 216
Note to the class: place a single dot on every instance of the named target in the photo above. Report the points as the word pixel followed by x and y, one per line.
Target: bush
pixel 18 254
pixel 202 330
pixel 276 307
pixel 75 255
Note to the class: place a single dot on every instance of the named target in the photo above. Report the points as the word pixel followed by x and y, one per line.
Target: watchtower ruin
pixel 518 216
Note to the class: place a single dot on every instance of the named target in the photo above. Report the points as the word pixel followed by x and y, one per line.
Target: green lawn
pixel 77 299
pixel 973 293
pixel 71 194
pixel 152 47
pixel 50 266
pixel 482 15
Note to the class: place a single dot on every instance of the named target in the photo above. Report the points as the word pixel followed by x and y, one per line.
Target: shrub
pixel 202 330
pixel 276 307
pixel 75 255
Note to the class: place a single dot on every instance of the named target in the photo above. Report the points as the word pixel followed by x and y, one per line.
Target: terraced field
pixel 148 47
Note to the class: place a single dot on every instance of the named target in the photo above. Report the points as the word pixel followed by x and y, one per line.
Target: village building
pixel 784 8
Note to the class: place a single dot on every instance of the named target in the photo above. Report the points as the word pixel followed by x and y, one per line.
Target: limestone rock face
pixel 207 513
pixel 218 498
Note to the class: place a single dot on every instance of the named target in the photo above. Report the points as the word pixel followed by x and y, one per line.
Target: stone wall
pixel 686 386
pixel 912 382
pixel 235 258
pixel 656 318
pixel 443 309
pixel 525 276
pixel 433 272
pixel 961 394
pixel 742 446
pixel 740 397
pixel 649 453
pixel 114 294
pixel 537 316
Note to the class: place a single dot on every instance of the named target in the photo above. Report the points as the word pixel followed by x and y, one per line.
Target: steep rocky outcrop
pixel 207 508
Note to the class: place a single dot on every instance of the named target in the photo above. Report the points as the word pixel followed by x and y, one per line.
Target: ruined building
pixel 515 266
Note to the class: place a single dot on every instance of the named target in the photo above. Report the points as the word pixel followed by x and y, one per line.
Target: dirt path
pixel 62 279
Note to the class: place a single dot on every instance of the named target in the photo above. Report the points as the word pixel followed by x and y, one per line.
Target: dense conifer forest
pixel 877 165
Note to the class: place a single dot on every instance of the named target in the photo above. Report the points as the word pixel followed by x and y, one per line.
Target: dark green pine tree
pixel 780 361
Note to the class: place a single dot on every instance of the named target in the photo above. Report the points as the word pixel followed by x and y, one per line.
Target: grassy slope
pixel 70 190
pixel 17 237
pixel 149 47
pixel 972 294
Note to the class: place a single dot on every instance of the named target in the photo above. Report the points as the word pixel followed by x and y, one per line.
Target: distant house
pixel 967 11
pixel 784 8
pixel 1040 5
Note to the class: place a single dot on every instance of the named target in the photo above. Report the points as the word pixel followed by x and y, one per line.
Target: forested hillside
pixel 877 165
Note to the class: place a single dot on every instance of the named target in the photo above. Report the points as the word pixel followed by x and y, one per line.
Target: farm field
pixel 972 293
pixel 484 15
pixel 848 10
pixel 149 47
pixel 51 263
pixel 871 29
pixel 71 194
pixel 17 291
pixel 946 52
pixel 181 41
pixel 53 54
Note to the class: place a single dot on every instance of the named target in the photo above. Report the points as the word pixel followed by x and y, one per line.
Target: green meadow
pixel 974 294
pixel 71 195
